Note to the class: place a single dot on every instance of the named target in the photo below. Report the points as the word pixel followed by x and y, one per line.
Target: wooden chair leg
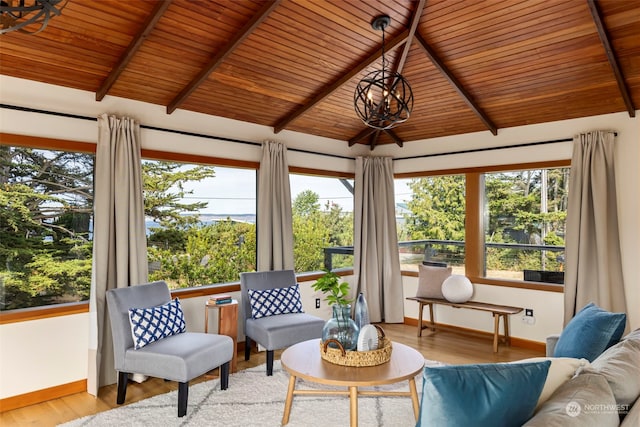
pixel 269 363
pixel 123 379
pixel 247 348
pixel 224 376
pixel 183 397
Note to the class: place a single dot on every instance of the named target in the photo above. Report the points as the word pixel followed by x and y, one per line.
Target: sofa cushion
pixel 562 369
pixel 583 401
pixel 633 336
pixel 493 394
pixel 632 419
pixel 591 331
pixel 275 301
pixel 620 365
pixel 430 281
pixel 154 323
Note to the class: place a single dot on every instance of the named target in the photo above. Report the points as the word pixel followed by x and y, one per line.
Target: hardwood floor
pixel 445 346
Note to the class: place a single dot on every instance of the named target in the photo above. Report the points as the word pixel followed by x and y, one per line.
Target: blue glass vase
pixel 361 314
pixel 342 328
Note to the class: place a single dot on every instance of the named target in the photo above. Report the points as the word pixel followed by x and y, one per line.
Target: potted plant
pixel 340 327
pixel 336 292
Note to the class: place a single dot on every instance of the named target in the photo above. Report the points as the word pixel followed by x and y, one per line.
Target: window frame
pixel 474 235
pixel 322 174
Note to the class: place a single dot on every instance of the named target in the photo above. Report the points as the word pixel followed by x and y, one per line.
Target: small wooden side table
pixel 227 324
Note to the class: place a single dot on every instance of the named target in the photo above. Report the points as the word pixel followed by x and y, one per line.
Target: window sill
pixel 536 286
pixel 37 313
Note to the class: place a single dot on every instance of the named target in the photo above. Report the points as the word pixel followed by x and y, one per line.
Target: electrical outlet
pixel 528 312
pixel 317 302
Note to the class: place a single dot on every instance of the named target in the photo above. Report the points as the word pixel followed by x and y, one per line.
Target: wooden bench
pixel 498 311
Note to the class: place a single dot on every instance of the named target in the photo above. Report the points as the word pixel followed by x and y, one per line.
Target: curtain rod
pixel 180 132
pixel 240 141
pixel 476 150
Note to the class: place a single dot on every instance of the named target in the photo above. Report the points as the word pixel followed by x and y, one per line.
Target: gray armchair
pixel 274 332
pixel 181 357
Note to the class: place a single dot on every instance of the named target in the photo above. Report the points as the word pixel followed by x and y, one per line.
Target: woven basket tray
pixel 339 356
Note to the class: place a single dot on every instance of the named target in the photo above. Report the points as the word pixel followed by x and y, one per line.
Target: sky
pixel 232 190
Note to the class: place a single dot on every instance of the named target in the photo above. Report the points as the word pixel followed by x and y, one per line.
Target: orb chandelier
pixel 383 99
pixel 18 14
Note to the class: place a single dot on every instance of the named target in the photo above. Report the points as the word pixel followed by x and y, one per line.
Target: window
pixel 46 207
pixel 201 222
pixel 431 221
pixel 322 209
pixel 524 223
pixel 496 225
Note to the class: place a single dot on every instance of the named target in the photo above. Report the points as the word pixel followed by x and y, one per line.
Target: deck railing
pixel 546 267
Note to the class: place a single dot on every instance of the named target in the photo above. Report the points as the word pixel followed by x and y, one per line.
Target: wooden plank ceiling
pixel 294 64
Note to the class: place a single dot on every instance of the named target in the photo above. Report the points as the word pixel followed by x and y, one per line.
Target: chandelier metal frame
pixel 383 99
pixel 15 15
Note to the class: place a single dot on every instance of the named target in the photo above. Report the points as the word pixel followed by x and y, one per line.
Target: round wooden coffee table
pixel 303 360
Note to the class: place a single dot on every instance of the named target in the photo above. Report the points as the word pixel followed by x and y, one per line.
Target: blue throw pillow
pixel 154 323
pixel 591 331
pixel 271 302
pixel 491 395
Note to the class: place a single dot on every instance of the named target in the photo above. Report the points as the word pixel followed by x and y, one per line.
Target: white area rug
pixel 253 399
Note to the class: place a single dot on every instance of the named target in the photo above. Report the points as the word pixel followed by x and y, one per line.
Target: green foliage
pixel 515 215
pixel 336 292
pixel 437 208
pixel 164 192
pixel 305 204
pixel 46 200
pixel 315 229
pixel 45 207
pixel 214 253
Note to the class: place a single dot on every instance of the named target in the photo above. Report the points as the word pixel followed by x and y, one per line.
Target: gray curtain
pixel 376 259
pixel 119 238
pixel 275 226
pixel 594 264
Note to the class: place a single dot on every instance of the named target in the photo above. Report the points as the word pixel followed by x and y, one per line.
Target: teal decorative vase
pixel 361 312
pixel 342 328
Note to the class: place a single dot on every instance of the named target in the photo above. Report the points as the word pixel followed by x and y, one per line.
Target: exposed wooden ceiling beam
pixel 415 20
pixel 330 88
pixel 133 47
pixel 395 137
pixel 361 135
pixel 611 56
pixel 456 84
pixel 219 58
pixel 373 141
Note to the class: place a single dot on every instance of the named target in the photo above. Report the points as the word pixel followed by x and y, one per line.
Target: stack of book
pixel 221 299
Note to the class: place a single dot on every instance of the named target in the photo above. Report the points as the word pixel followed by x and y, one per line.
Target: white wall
pixel 547 310
pixel 39 354
pixel 21 343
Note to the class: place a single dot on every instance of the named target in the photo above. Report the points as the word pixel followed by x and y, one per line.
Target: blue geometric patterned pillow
pixel 270 302
pixel 153 323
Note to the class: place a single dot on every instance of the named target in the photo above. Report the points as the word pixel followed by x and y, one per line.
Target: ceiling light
pixel 18 14
pixel 383 99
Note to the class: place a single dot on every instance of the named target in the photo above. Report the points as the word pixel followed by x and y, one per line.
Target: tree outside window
pixel 46 208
